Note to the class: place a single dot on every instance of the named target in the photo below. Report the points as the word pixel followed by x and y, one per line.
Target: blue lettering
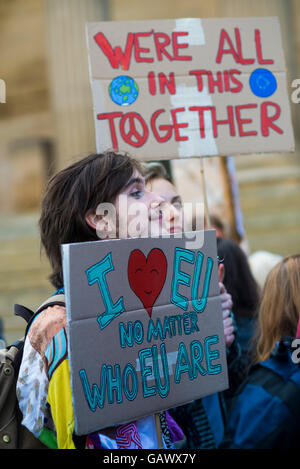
pixel 163 391
pixel 97 274
pixel 130 332
pixel 96 396
pixel 146 371
pixel 199 306
pixel 126 335
pixel 129 371
pixel 155 331
pixel 212 355
pixel 114 384
pixel 138 332
pixel 181 278
pixel 196 358
pixel 182 364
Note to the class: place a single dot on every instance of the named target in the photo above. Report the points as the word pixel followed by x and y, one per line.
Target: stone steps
pixel 23 271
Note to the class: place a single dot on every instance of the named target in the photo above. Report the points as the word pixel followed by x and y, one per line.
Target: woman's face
pixel 136 212
pixel 172 205
pixel 139 210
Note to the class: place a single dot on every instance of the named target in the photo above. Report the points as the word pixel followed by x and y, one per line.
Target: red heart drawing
pixel 147 276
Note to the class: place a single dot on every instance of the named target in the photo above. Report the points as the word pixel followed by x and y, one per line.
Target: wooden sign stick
pixel 228 196
pixel 207 216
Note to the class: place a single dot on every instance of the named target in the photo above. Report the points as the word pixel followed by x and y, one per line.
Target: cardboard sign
pixel 145 327
pixel 189 87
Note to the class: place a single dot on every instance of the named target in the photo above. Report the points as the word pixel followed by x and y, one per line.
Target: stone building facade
pixel 47 121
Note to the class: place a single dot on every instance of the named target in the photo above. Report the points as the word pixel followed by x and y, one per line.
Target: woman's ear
pixel 92 219
pixel 104 226
pixel 221 271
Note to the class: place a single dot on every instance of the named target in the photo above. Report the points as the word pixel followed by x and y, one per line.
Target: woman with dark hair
pixel 240 283
pixel 69 207
pixel 69 215
pixel 266 410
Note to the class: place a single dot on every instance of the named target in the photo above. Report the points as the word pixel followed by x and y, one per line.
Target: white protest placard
pixel 190 87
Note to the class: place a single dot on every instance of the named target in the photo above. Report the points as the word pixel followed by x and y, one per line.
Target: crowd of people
pixel 261 407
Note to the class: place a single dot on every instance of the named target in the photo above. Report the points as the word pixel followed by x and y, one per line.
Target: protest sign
pixel 145 327
pixel 190 87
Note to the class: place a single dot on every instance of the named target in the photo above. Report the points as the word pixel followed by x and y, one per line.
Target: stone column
pixel 71 97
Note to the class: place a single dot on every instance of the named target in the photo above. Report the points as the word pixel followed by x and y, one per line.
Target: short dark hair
pixel 72 193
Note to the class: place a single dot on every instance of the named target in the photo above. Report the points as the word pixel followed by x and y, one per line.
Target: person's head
pixel 261 263
pixel 218 225
pixel 70 205
pixel 215 224
pixel 158 182
pixel 238 279
pixel 279 310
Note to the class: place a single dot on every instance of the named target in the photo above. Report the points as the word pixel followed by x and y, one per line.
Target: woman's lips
pixel 175 229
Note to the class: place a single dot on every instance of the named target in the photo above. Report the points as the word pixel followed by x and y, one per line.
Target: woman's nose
pixel 168 211
pixel 177 212
pixel 155 200
pixel 171 212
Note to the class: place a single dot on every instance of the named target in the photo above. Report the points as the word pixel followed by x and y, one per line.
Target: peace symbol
pixel 134 136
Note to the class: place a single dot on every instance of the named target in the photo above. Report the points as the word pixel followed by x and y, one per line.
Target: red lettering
pixel 160 46
pixel 259 50
pixel 221 51
pixel 116 56
pixel 215 122
pixel 151 83
pixel 229 121
pixel 239 84
pixel 167 128
pixel 241 121
pixel 141 50
pixel 239 49
pixel 212 83
pixel 165 82
pixel 111 116
pixel 134 129
pixel 134 136
pixel 181 45
pixel 201 110
pixel 178 126
pixel 267 121
pixel 226 81
pixel 198 74
pixel 222 82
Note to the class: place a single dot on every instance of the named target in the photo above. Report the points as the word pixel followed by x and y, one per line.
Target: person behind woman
pixel 266 410
pixel 243 288
pixel 159 182
pixel 240 283
pixel 69 214
pixel 202 420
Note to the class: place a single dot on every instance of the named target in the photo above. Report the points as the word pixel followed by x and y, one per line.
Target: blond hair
pixel 279 310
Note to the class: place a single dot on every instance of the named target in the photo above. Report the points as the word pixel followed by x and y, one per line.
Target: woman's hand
pixel 226 302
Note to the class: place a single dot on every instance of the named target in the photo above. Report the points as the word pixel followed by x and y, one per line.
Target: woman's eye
pixel 177 205
pixel 137 194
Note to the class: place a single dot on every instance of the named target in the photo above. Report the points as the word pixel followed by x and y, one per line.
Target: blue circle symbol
pixel 262 82
pixel 123 90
